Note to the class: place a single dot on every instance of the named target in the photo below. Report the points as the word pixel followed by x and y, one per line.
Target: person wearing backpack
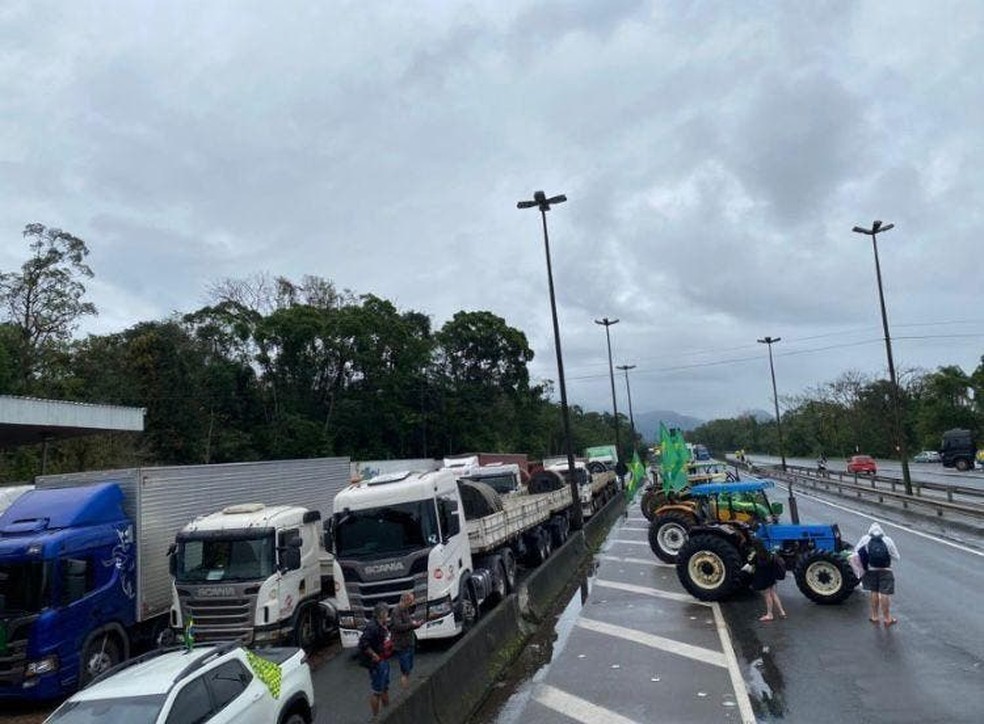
pixel 877 551
pixel 766 569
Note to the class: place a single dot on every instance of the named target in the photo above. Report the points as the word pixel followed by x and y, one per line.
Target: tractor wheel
pixel 709 567
pixel 667 533
pixel 825 578
pixel 647 504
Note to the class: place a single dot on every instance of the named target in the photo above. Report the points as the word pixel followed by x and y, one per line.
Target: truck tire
pixel 509 566
pixel 558 531
pixel 547 543
pixel 961 464
pixel 709 567
pixel 101 654
pixel 667 534
pixel 825 577
pixel 306 629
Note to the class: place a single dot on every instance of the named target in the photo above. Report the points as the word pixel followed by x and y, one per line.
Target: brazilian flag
pixel 266 671
pixel 638 472
pixel 673 460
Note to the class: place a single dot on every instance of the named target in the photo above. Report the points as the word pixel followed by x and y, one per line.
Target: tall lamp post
pixel 541 202
pixel 628 393
pixel 793 512
pixel 619 465
pixel 900 446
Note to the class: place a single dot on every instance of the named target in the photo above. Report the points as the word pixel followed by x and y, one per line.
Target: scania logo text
pixel 216 592
pixel 395 567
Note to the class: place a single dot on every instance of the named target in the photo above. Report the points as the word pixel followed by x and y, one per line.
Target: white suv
pixel 214 683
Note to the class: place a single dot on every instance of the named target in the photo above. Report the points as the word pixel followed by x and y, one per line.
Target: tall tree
pixel 44 299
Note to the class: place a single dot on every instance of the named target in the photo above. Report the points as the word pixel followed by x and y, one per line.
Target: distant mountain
pixel 647 423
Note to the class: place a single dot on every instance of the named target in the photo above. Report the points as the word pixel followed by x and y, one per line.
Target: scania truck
pixel 453 542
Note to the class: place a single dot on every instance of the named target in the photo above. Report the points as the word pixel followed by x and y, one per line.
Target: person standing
pixel 877 551
pixel 376 646
pixel 403 625
pixel 767 569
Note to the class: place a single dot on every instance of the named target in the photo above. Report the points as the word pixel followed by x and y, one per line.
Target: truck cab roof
pixel 394 488
pixel 252 515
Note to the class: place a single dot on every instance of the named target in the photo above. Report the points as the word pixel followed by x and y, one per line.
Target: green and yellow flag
pixel 673 460
pixel 266 671
pixel 638 471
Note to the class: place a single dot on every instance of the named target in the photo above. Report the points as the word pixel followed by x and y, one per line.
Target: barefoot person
pixel 877 551
pixel 403 625
pixel 766 570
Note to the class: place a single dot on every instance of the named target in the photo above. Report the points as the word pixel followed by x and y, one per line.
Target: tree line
pixel 855 414
pixel 271 368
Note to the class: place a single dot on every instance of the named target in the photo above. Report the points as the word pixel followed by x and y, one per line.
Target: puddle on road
pixel 509 695
pixel 763 679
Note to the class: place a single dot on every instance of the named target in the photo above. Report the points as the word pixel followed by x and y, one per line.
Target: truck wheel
pixel 471 610
pixel 558 531
pixel 101 654
pixel 667 533
pixel 825 578
pixel 306 629
pixel 547 543
pixel 509 566
pixel 961 465
pixel 709 567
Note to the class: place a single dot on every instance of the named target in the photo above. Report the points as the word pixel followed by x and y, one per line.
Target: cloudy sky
pixel 715 156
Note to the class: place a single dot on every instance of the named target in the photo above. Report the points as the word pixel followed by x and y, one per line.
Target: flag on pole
pixel 638 471
pixel 673 462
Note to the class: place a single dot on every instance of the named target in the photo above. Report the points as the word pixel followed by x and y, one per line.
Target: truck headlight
pixel 439 608
pixel 46 665
pixel 346 620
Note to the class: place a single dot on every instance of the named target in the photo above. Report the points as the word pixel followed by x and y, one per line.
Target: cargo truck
pixel 596 483
pixel 83 560
pixel 453 542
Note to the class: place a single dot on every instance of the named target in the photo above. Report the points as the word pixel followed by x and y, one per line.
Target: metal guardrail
pixel 937 497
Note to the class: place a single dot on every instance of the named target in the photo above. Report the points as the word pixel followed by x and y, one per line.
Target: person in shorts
pixel 376 646
pixel 877 551
pixel 403 625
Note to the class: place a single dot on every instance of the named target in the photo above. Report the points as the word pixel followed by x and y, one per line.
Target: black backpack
pixel 878 555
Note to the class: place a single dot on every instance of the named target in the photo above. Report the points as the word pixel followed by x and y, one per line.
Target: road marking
pixel 634 527
pixel 648 591
pixel 698 653
pixel 630 542
pixel 737 680
pixel 577 708
pixel 643 561
pixel 890 524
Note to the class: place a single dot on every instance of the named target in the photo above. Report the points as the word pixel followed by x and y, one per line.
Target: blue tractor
pixel 710 562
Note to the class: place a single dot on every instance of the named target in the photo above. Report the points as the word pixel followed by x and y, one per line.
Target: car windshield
pixel 129 709
pixel 235 556
pixel 22 587
pixel 380 532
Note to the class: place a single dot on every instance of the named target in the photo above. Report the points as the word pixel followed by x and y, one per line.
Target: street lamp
pixel 541 202
pixel 793 512
pixel 619 465
pixel 628 392
pixel 877 228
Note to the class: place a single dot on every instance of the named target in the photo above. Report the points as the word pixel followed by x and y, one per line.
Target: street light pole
pixel 900 446
pixel 793 512
pixel 611 375
pixel 541 202
pixel 628 393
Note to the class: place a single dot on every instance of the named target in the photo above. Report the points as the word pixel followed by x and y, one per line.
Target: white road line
pixel 698 653
pixel 642 561
pixel 577 708
pixel 890 524
pixel 649 591
pixel 634 527
pixel 630 542
pixel 737 680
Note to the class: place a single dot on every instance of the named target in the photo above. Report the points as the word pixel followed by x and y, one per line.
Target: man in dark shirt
pixel 403 624
pixel 377 646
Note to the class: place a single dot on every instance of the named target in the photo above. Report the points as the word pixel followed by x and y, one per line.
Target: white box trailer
pixel 162 500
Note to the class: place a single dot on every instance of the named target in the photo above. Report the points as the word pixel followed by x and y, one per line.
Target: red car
pixel 864 464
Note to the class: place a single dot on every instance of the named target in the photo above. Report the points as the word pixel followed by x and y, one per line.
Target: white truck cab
pixel 250 572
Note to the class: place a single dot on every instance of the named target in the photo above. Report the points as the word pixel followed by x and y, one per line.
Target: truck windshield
pixel 232 557
pixel 380 532
pixel 22 587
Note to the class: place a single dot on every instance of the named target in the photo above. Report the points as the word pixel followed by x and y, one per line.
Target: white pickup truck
pixel 215 683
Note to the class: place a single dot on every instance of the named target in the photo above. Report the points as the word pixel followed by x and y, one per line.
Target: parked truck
pixel 453 542
pixel 596 483
pixel 83 560
pixel 958 449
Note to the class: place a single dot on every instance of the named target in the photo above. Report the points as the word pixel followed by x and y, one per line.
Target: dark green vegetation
pixel 854 414
pixel 271 369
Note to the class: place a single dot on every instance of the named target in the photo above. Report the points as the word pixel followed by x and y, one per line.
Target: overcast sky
pixel 715 157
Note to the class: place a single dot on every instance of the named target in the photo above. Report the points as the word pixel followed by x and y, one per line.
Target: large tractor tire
pixel 651 500
pixel 825 578
pixel 709 567
pixel 667 534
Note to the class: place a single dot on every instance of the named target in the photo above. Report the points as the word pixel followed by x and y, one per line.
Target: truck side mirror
pixel 172 560
pixel 290 556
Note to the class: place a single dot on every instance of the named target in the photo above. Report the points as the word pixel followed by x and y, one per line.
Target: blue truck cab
pixel 67 589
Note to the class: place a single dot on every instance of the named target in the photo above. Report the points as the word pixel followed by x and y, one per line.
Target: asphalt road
pixel 826 664
pixel 927 472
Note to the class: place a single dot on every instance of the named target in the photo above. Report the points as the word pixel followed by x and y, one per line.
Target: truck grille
pixel 14 659
pixel 220 619
pixel 364 596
